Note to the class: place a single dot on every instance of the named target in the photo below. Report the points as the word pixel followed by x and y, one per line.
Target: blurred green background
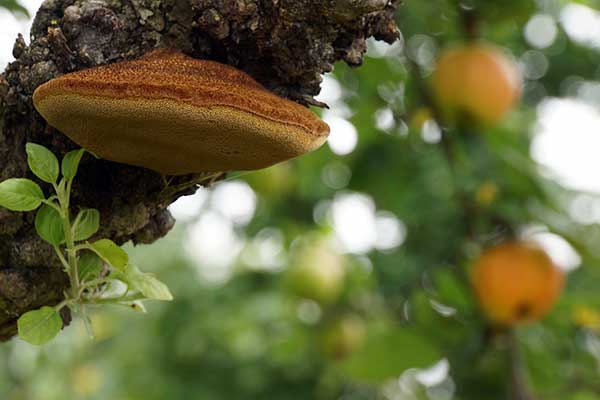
pixel 344 274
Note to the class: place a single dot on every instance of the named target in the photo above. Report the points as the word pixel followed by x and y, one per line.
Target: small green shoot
pixel 93 268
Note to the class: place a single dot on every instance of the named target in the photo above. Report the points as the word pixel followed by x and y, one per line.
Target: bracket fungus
pixel 176 115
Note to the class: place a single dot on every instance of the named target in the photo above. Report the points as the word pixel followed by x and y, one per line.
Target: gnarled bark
pixel 284 44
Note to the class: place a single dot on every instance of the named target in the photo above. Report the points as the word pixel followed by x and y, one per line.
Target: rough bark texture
pixel 285 44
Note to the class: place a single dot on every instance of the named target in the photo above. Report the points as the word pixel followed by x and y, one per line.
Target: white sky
pixel 567 142
pixel 10 26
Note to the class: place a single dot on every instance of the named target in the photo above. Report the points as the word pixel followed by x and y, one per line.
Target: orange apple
pixel 516 282
pixel 477 81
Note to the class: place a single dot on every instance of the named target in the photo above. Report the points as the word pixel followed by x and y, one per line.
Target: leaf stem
pixel 62 304
pixel 52 204
pixel 93 283
pixel 62 258
pixel 64 195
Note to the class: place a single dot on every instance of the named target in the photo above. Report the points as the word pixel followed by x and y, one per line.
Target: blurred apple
pixel 276 180
pixel 476 80
pixel 317 272
pixel 342 336
pixel 516 282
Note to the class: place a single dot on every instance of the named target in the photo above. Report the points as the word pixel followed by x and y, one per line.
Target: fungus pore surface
pixel 176 115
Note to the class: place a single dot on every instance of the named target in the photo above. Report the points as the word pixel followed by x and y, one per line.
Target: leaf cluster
pixel 94 267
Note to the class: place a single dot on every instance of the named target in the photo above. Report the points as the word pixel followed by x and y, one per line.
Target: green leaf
pixel 86 224
pixel 111 253
pixel 20 194
pixel 14 7
pixel 89 266
pixel 146 284
pixel 387 353
pixel 70 163
pixel 49 225
pixel 39 326
pixel 42 162
pixel 452 291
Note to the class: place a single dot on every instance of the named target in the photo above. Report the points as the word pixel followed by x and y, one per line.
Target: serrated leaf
pixel 111 253
pixel 70 163
pixel 49 225
pixel 20 194
pixel 389 352
pixel 89 266
pixel 86 224
pixel 42 162
pixel 147 284
pixel 39 326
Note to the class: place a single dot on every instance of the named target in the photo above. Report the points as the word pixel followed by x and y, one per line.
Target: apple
pixel 342 336
pixel 476 81
pixel 516 282
pixel 317 272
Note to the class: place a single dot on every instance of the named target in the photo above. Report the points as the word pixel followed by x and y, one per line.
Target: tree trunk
pixel 284 44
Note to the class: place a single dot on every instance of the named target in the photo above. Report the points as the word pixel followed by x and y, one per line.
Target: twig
pixel 470 21
pixel 447 145
pixel 519 389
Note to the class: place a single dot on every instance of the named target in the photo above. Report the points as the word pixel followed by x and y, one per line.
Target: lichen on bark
pixel 284 44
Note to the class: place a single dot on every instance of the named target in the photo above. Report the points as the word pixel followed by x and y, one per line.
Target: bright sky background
pixel 567 142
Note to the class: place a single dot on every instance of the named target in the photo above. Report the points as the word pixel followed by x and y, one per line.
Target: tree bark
pixel 284 44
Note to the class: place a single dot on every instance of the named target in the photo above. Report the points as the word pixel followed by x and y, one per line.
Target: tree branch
pixel 285 44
